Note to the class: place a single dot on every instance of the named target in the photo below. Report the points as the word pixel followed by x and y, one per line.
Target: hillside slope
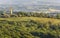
pixel 29 27
pixel 37 19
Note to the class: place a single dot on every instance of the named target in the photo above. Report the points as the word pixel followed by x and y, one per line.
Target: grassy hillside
pixel 37 19
pixel 29 27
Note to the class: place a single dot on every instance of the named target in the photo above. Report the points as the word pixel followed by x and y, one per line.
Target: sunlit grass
pixel 42 20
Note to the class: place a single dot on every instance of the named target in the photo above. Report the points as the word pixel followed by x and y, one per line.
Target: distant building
pixel 11 11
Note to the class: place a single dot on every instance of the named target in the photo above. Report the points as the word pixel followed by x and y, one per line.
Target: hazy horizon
pixel 28 2
pixel 29 5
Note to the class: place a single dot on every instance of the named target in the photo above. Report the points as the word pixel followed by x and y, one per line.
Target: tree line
pixel 30 14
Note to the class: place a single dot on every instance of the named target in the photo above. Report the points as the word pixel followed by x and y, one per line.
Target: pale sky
pixel 27 1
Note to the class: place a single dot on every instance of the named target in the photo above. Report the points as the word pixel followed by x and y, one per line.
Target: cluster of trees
pixel 44 15
pixel 29 29
pixel 7 15
pixel 31 14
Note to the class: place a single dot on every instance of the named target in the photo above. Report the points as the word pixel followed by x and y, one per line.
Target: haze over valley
pixel 30 5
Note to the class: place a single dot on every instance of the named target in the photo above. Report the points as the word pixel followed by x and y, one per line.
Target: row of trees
pixel 45 15
pixel 31 14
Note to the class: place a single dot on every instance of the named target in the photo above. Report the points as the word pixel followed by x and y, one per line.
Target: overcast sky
pixel 27 1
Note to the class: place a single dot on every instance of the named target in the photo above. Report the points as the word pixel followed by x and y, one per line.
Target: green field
pixel 37 19
pixel 29 27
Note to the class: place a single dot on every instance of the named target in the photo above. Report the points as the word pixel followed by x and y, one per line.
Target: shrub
pixel 13 15
pixel 5 16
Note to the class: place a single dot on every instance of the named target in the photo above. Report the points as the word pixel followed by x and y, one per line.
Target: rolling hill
pixel 29 27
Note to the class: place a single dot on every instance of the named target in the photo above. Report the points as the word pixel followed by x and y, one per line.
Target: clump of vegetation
pixel 4 16
pixel 13 15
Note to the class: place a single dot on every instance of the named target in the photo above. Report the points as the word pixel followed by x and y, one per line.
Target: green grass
pixel 29 27
pixel 43 20
pixel 27 18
